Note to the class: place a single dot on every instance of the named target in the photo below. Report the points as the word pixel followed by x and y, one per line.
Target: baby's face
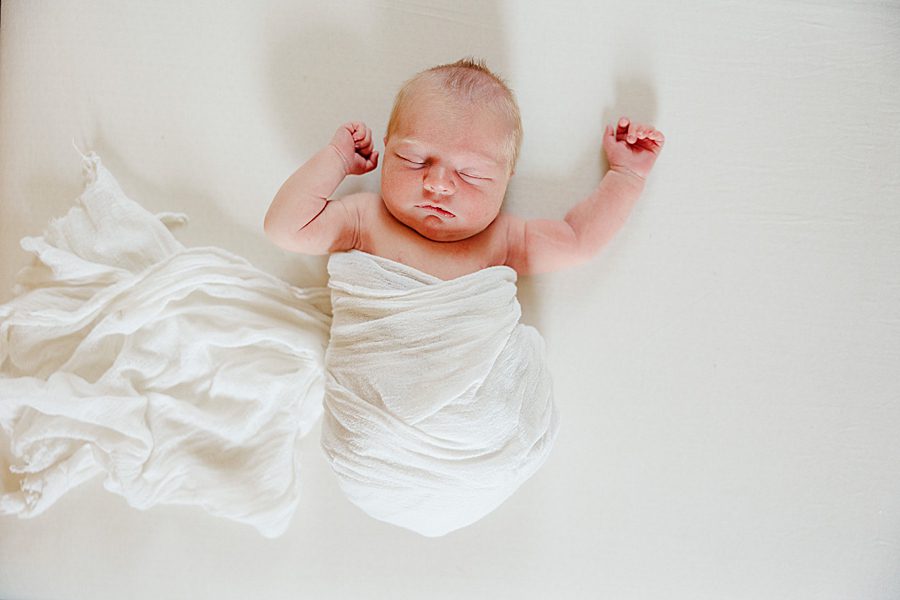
pixel 443 173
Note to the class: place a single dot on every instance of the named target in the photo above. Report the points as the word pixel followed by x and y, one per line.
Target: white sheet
pixel 726 367
pixel 184 376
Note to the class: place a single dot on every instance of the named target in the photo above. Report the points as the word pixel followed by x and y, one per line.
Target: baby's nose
pixel 437 188
pixel 437 182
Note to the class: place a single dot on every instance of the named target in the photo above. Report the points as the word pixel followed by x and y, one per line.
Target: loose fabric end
pixel 89 164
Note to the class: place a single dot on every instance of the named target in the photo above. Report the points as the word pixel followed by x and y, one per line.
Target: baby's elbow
pixel 587 253
pixel 277 235
pixel 271 226
pixel 269 229
pixel 574 249
pixel 575 257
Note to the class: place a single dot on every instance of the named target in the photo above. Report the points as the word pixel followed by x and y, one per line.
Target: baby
pixel 438 403
pixel 451 146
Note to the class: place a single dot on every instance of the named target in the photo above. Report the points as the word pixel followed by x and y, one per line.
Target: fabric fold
pixel 438 402
pixel 188 376
pixel 185 376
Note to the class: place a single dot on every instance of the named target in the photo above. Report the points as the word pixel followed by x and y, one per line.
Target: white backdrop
pixel 726 370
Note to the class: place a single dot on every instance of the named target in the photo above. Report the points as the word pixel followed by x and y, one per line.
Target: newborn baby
pixel 451 147
pixel 438 403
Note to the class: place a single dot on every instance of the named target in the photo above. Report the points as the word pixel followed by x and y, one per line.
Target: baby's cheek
pixel 396 178
pixel 490 208
pixel 390 184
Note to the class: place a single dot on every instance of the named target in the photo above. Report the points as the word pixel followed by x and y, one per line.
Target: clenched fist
pixel 353 142
pixel 632 147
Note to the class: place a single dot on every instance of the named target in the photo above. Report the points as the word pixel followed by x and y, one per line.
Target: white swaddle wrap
pixel 185 376
pixel 438 402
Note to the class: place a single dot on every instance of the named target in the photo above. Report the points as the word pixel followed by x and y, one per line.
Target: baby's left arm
pixel 544 245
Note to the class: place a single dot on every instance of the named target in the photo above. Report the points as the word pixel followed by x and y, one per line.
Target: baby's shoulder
pixel 370 218
pixel 508 237
pixel 361 200
pixel 362 207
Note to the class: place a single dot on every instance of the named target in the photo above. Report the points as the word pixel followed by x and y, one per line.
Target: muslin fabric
pixel 183 376
pixel 188 376
pixel 438 401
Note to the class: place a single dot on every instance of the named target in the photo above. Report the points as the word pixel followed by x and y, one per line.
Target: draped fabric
pixel 438 402
pixel 188 376
pixel 183 376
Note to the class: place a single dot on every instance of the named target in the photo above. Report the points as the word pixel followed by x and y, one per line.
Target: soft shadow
pixel 373 65
pixel 634 99
pixel 308 107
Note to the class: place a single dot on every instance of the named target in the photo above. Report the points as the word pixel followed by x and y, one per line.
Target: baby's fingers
pixel 630 133
pixel 626 130
pixel 359 132
pixel 364 142
pixel 649 133
pixel 643 132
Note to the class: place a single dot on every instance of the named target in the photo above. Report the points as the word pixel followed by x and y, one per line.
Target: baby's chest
pixel 445 260
pixel 455 259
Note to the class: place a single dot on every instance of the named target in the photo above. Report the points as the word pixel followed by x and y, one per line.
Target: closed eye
pixel 466 175
pixel 474 177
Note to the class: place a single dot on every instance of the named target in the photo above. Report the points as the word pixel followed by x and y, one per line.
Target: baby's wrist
pixel 343 159
pixel 627 172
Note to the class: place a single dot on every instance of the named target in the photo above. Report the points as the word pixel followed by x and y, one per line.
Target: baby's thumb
pixel 609 136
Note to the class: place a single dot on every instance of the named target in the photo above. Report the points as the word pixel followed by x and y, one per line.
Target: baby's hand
pixel 632 148
pixel 353 142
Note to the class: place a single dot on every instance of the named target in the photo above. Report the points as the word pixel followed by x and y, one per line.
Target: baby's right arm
pixel 301 218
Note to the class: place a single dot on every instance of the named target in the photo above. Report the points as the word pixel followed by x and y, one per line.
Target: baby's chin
pixel 439 229
pixel 433 227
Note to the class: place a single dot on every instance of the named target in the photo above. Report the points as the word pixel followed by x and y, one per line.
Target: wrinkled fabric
pixel 184 376
pixel 438 402
pixel 187 376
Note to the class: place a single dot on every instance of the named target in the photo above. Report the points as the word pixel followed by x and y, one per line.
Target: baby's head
pixel 451 146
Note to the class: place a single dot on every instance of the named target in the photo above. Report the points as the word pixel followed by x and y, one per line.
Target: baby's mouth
pixel 436 209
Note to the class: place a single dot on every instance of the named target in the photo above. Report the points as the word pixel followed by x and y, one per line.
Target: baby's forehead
pixel 450 104
pixel 483 157
pixel 457 102
pixel 463 116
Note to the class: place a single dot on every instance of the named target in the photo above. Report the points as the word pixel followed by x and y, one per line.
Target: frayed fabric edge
pixel 91 161
pixel 89 164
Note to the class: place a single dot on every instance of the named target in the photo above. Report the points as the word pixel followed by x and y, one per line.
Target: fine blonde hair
pixel 469 83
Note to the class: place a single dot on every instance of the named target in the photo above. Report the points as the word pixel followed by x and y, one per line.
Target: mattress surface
pixel 725 369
